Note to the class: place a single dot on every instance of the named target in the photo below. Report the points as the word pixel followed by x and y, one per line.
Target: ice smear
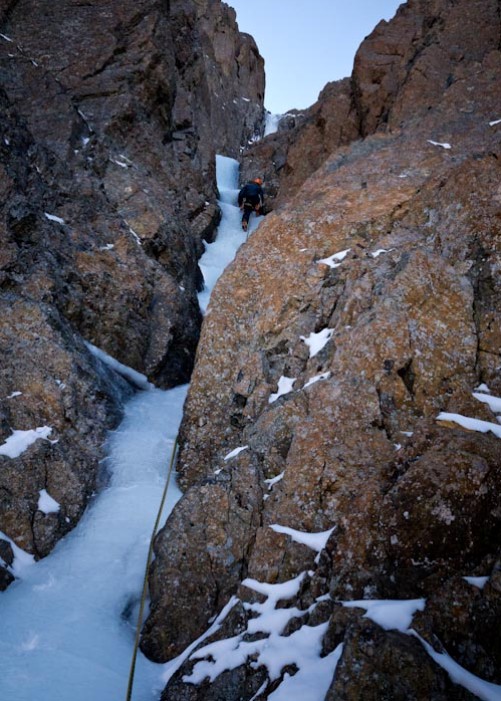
pixel 271 123
pixel 439 143
pixel 478 582
pixel 317 341
pixel 302 648
pixel 75 599
pixel 235 452
pixel 334 261
pixel 471 424
pixel 285 385
pixel 47 504
pixel 4 36
pixel 317 378
pixel 230 236
pixel 52 217
pixel 133 376
pixel 493 402
pixel 481 688
pixel 315 541
pixel 390 615
pixel 20 441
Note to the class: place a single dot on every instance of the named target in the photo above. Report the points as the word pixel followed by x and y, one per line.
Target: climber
pixel 250 199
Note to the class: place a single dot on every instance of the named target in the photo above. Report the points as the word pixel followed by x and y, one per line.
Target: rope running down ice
pixel 145 581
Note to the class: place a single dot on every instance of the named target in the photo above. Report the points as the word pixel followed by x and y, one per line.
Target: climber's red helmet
pixel 258 181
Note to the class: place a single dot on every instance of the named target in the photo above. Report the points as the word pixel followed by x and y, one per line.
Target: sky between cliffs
pixel 307 43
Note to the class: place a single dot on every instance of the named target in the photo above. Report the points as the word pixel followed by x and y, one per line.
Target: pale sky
pixel 307 43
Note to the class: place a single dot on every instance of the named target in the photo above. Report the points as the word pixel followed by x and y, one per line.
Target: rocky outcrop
pixel 111 116
pixel 401 72
pixel 302 143
pixel 349 321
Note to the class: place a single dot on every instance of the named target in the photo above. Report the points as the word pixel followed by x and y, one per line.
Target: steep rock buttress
pixel 353 324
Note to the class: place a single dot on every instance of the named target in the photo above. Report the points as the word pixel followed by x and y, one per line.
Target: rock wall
pixel 348 437
pixel 401 72
pixel 111 116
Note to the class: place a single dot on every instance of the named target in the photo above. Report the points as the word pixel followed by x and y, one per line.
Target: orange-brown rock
pixel 412 306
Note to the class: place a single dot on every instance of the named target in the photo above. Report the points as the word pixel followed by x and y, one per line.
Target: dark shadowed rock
pixel 380 665
pixel 112 113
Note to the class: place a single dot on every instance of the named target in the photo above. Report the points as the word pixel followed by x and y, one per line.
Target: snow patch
pixel 47 504
pixel 52 217
pixel 315 541
pixel 387 613
pixel 334 261
pixel 493 402
pixel 235 452
pixel 317 378
pixel 14 394
pixel 491 124
pixel 483 388
pixel 478 582
pixel 380 251
pixel 302 648
pixel 484 690
pixel 471 424
pixel 274 480
pixel 317 341
pixel 439 143
pixel 285 385
pixel 20 441
pixel 22 559
pixel 173 665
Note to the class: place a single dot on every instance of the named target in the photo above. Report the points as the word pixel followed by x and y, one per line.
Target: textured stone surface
pixel 414 330
pixel 111 116
pixel 380 665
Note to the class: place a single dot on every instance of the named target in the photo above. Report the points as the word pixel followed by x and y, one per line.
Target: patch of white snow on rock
pixel 20 441
pixel 235 452
pixel 317 378
pixel 334 261
pixel 285 385
pixel 317 341
pixel 47 504
pixel 54 218
pixel 443 144
pixel 315 541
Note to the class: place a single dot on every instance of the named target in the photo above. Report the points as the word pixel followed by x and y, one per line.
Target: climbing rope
pixel 145 580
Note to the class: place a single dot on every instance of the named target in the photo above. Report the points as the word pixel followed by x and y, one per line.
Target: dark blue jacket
pixel 252 194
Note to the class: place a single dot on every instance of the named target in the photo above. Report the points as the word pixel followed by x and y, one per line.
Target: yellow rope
pixel 145 581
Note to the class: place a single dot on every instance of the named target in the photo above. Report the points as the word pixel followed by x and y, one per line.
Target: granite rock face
pixel 112 113
pixel 373 298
